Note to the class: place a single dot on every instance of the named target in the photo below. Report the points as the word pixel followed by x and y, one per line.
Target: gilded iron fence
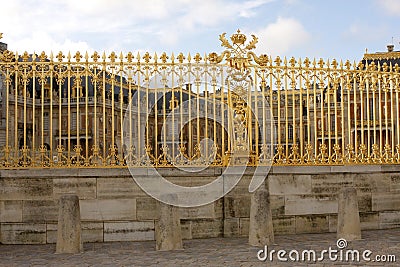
pixel 203 110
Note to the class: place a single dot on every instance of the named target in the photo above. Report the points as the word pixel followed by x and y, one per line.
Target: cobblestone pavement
pixel 206 252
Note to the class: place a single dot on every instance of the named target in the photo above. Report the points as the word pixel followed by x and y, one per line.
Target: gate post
pixel 69 237
pixel 261 230
pixel 168 228
pixel 348 215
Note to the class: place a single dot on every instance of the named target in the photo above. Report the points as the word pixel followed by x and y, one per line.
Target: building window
pixel 333 123
pixel 46 121
pixel 73 121
pixel 290 132
pixel 371 109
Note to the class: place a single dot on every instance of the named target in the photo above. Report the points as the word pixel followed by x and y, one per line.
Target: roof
pixel 380 58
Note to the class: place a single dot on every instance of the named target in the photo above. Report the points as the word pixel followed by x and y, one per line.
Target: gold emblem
pixel 237 52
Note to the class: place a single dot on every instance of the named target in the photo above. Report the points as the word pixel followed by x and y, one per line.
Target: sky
pixel 340 29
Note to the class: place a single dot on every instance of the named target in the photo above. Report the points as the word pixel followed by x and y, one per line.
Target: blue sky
pixel 300 28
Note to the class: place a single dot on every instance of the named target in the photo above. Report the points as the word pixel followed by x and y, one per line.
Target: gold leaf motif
pixel 164 57
pixel 78 56
pixel 113 57
pixel 60 56
pixel 181 57
pixel 129 57
pixel 224 41
pixel 147 57
pixel 213 57
pixel 252 43
pixel 25 57
pixel 197 58
pixel 43 57
pixel 95 56
pixel 8 56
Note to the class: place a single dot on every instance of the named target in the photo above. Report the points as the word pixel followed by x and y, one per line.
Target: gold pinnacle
pixel 1 35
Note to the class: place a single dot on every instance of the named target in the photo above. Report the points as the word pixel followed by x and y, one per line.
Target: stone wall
pixel 114 208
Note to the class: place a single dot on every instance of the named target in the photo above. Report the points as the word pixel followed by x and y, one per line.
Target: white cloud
pixel 209 13
pixel 280 37
pixel 366 32
pixel 391 7
pixel 41 41
pixel 66 22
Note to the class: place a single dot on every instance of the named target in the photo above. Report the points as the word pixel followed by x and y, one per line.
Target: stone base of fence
pixel 113 208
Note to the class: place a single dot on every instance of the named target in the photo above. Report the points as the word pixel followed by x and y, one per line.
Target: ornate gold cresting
pixel 67 110
pixel 238 53
pixel 240 58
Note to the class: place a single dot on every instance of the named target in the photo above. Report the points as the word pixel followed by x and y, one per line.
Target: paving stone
pixel 203 252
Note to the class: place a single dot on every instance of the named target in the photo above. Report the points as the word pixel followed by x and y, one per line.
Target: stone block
pixel 395 183
pixel 206 211
pixel 91 232
pixel 128 231
pixel 84 188
pixel 199 181
pixel 146 208
pixel 289 184
pixel 237 206
pixel 310 204
pixel 330 184
pixel 109 172
pixel 284 225
pixel 312 224
pixel 186 229
pixel 300 169
pixel 207 228
pixel 26 189
pixel 357 168
pixel 11 211
pixel 116 188
pixel 369 220
pixel 178 180
pixel 332 223
pixel 364 202
pixel 231 227
pixel 108 209
pixel 277 205
pixel 244 224
pixel 40 211
pixel 51 233
pixel 385 201
pixel 390 168
pixel 372 182
pixel 184 172
pixel 23 233
pixel 34 173
pixel 239 183
pixel 389 219
pixel 219 208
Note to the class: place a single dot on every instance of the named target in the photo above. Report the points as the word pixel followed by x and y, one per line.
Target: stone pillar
pixel 261 231
pixel 348 215
pixel 69 238
pixel 168 227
